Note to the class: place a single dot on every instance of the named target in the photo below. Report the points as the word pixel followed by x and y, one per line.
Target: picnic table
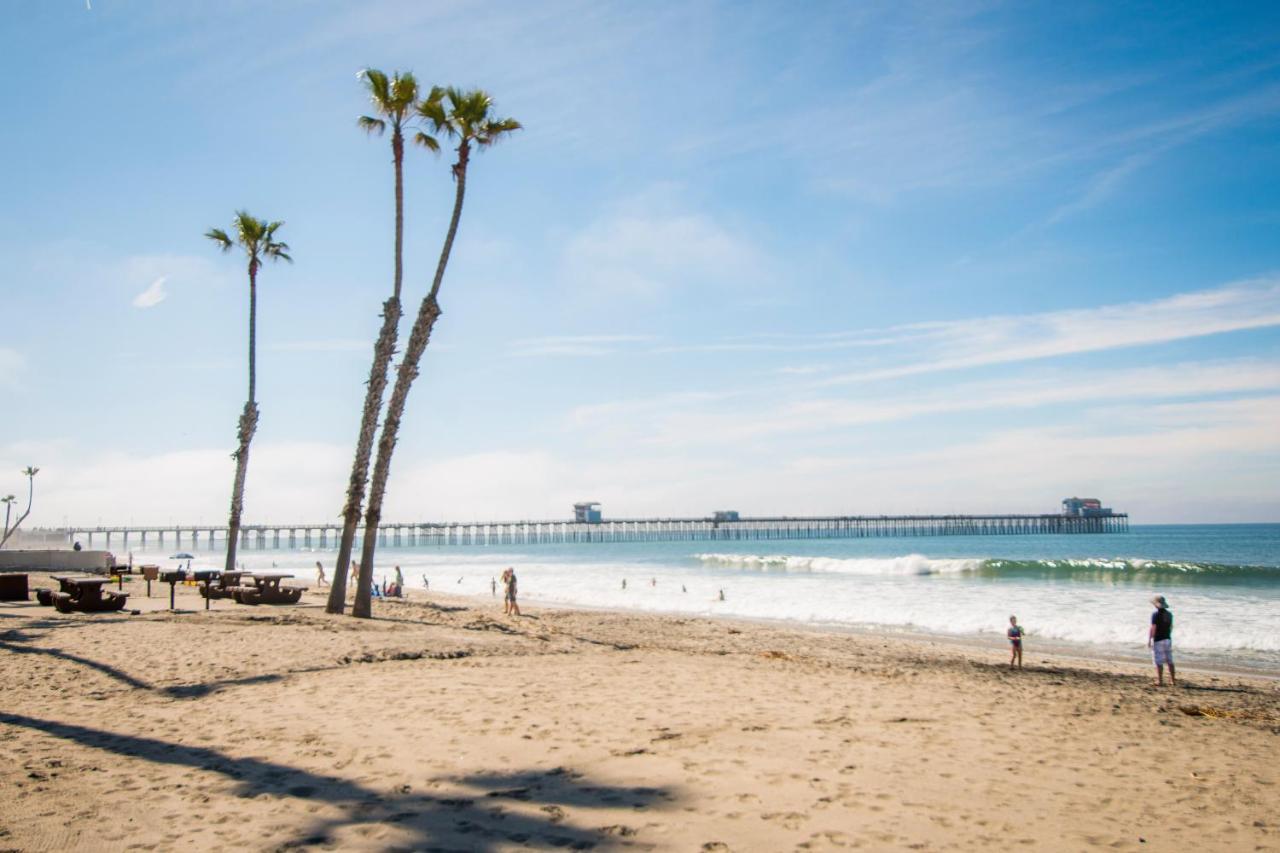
pixel 266 589
pixel 218 584
pixel 85 593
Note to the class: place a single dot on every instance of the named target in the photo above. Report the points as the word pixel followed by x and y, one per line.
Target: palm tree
pixel 258 239
pixel 467 118
pixel 8 500
pixel 394 99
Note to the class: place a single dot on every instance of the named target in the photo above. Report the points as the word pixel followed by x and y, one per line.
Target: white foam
pixel 911 564
pixel 906 592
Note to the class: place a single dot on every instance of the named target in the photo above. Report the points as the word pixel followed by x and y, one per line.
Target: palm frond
pixel 278 252
pixel 494 130
pixel 249 227
pixel 220 237
pixel 369 124
pixel 433 110
pixel 404 92
pixel 378 85
pixel 427 141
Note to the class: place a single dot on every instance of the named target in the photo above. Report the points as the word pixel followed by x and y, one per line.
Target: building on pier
pixel 1085 508
pixel 587 512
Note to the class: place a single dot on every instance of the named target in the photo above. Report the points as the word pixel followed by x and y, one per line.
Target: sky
pixel 835 258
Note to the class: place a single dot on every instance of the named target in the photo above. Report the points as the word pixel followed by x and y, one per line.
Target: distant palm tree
pixel 258 239
pixel 8 500
pixel 467 118
pixel 394 101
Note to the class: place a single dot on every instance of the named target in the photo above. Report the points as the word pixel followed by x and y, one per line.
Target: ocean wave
pixel 1133 566
pixel 918 564
pixel 911 564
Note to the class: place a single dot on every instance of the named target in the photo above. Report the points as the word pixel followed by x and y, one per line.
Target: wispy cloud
pixel 1150 141
pixel 326 345
pixel 930 347
pixel 152 296
pixel 1144 460
pixel 11 364
pixel 692 419
pixel 649 254
pixel 575 345
pixel 1001 339
pixel 164 271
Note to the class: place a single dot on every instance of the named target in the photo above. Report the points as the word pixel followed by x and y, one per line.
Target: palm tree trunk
pixel 248 426
pixel 419 337
pixel 383 351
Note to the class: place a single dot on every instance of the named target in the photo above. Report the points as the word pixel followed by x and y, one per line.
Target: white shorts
pixel 1162 652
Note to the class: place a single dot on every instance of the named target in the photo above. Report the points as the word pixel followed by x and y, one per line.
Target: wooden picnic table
pixel 219 584
pixel 265 588
pixel 84 593
pixel 74 583
pixel 264 580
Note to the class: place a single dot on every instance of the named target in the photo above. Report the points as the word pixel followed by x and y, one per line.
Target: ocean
pixel 1088 594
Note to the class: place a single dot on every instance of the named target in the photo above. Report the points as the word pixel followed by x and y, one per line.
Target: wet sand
pixel 443 725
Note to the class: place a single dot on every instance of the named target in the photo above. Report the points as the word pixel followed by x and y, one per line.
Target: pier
pixel 422 534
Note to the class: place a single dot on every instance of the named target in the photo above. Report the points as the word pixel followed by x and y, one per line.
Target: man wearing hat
pixel 1159 640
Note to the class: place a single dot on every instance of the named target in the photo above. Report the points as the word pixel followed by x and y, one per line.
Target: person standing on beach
pixel 509 606
pixel 399 583
pixel 320 581
pixel 493 587
pixel 1160 640
pixel 1015 642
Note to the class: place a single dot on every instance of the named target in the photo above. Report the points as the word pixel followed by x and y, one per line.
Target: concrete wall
pixel 56 561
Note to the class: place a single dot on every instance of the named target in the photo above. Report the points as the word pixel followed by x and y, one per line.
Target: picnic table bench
pixel 84 593
pixel 266 589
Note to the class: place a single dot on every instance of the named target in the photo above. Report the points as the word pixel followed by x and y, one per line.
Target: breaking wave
pixel 918 564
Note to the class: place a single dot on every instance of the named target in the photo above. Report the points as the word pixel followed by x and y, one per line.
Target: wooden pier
pixel 425 534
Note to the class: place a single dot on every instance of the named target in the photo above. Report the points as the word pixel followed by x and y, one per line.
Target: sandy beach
pixel 443 725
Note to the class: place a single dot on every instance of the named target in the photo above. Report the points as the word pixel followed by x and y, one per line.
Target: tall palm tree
pixel 258 239
pixel 394 101
pixel 467 118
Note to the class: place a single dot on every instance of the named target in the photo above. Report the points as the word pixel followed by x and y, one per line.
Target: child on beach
pixel 320 581
pixel 1015 642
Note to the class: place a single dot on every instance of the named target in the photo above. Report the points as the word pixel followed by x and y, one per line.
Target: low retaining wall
pixel 57 561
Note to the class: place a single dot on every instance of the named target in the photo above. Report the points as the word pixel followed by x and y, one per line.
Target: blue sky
pixel 837 258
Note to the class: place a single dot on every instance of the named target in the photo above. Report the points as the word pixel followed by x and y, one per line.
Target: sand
pixel 442 725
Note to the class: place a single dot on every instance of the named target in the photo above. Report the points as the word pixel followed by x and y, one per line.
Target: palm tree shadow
pixel 104 668
pixel 423 821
